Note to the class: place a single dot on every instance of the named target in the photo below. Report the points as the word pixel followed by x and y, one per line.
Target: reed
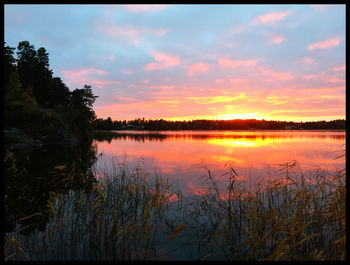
pixel 117 220
pixel 289 217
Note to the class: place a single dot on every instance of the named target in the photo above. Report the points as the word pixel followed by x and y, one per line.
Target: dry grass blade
pixel 30 216
pixel 177 230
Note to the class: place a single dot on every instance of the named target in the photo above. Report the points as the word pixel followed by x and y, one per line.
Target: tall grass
pixel 291 217
pixel 118 220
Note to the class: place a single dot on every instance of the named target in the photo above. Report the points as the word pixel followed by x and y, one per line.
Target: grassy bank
pixel 293 217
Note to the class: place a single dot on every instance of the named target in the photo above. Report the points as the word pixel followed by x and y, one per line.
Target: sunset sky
pixel 184 62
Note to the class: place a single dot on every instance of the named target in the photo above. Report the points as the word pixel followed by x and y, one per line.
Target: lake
pixel 184 157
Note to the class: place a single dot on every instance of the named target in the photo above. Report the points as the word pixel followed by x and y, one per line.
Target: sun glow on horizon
pixel 243 116
pixel 248 116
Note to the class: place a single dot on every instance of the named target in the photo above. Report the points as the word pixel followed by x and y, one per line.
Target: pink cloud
pixel 335 80
pixel 163 60
pixel 318 7
pixel 229 45
pixel 237 80
pixel 239 29
pixel 310 76
pixel 160 32
pixel 128 99
pixel 115 30
pixel 101 83
pixel 278 39
pixel 133 34
pixel 198 67
pixel 275 76
pixel 127 71
pixel 82 76
pixel 339 68
pixel 90 76
pixel 162 87
pixel 144 8
pixel 225 62
pixel 308 60
pixel 326 44
pixel 110 58
pixel 324 77
pixel 219 81
pixel 271 17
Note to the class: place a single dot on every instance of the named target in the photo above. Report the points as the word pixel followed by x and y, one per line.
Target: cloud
pixel 336 80
pixel 109 58
pixel 82 76
pixel 238 29
pixel 162 87
pixel 311 76
pixel 198 67
pixel 324 77
pixel 339 68
pixel 278 39
pixel 226 62
pixel 271 17
pixel 101 83
pixel 127 71
pixel 318 7
pixel 237 80
pixel 90 76
pixel 326 44
pixel 163 60
pixel 117 30
pixel 144 8
pixel 114 31
pixel 216 99
pixel 275 76
pixel 160 32
pixel 307 60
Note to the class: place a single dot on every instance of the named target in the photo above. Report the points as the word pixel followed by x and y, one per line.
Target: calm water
pixel 184 157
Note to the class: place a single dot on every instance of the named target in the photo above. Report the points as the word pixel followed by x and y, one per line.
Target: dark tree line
pixel 251 124
pixel 39 103
pixel 40 109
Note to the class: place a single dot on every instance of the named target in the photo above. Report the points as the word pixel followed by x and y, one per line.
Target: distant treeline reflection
pixel 142 137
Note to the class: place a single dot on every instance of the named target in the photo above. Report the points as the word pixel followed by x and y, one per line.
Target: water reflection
pixel 185 156
pixel 30 175
pixel 244 136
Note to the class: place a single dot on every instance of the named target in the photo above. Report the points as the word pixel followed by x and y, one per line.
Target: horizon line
pixel 247 119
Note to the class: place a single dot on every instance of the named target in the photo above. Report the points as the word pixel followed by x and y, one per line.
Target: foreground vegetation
pixel 289 218
pixel 130 214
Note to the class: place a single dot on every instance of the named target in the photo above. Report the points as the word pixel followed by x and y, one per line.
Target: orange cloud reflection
pixel 185 156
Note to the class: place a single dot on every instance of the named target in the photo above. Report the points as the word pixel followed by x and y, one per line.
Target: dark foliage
pixel 252 124
pixel 40 104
